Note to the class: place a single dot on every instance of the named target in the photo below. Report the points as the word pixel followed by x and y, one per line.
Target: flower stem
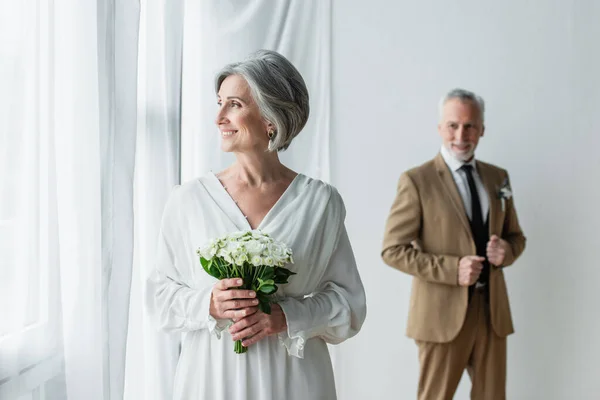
pixel 238 348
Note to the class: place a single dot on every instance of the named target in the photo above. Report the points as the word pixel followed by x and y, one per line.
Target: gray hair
pixel 278 89
pixel 463 95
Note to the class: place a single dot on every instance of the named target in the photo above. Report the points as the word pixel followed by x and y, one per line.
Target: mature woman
pixel 263 105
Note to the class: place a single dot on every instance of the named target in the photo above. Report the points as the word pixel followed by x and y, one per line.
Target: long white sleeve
pixel 175 305
pixel 335 312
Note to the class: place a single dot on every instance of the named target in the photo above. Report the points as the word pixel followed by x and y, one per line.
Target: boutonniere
pixel 504 193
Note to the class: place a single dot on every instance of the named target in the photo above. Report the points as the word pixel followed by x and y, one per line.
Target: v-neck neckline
pixel 241 217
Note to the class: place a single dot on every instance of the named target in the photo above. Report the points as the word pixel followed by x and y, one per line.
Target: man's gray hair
pixel 463 95
pixel 278 89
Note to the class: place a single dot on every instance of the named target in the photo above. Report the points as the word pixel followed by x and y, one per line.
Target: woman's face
pixel 239 120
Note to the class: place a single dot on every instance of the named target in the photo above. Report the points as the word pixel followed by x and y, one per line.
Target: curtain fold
pixel 95 51
pixel 71 129
pixel 118 32
pixel 152 355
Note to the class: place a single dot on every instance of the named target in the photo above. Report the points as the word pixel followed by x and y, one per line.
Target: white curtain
pixel 183 44
pixel 67 131
pixel 152 355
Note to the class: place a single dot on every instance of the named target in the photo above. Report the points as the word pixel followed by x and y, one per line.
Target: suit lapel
pixel 447 180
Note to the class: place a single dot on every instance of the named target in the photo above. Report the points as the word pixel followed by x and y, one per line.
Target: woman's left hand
pixel 259 325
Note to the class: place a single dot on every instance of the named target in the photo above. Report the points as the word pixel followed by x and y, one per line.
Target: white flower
pixel 257 261
pixel 225 255
pixel 254 247
pixel 280 253
pixel 236 235
pixel 208 252
pixel 212 251
pixel 269 261
pixel 222 253
pixel 505 193
pixel 277 250
pixel 241 259
pixel 232 246
pixel 262 237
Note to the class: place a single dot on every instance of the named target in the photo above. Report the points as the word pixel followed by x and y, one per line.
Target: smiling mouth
pixel 227 133
pixel 461 147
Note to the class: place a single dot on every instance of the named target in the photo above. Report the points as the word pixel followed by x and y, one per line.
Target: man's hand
pixel 496 250
pixel 469 268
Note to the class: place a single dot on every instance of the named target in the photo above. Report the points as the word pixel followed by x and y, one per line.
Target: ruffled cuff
pixel 293 344
pixel 295 337
pixel 217 326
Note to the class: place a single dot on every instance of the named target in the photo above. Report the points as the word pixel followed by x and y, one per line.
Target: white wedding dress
pixel 323 303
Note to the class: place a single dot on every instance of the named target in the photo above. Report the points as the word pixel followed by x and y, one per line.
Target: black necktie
pixel 478 227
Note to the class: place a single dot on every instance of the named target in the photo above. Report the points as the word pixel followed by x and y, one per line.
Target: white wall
pixel 537 64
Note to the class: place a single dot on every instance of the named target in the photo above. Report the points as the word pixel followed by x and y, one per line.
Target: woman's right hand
pixel 228 303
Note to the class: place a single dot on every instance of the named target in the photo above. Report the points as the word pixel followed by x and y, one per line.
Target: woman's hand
pixel 259 325
pixel 227 303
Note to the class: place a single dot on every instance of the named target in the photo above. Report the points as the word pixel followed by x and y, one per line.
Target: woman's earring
pixel 271 134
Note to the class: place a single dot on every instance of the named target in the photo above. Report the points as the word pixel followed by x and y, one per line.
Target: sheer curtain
pixel 29 297
pixel 67 107
pixel 152 355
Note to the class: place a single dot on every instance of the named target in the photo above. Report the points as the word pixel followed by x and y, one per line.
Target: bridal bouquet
pixel 253 256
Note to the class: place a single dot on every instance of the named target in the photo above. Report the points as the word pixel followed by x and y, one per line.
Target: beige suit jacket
pixel 426 234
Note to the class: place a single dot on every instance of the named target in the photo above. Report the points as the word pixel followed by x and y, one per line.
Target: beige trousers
pixel 476 348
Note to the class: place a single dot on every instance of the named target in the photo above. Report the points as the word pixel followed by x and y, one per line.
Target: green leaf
pixel 213 271
pixel 265 307
pixel 205 264
pixel 268 289
pixel 268 273
pixel 282 275
pixel 210 268
pixel 262 298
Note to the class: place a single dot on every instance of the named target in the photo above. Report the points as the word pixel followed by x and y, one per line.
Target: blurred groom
pixel 453 226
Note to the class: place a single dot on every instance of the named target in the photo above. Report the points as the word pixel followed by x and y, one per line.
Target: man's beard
pixel 462 157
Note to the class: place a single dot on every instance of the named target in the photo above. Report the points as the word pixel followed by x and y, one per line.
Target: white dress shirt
pixel 460 178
